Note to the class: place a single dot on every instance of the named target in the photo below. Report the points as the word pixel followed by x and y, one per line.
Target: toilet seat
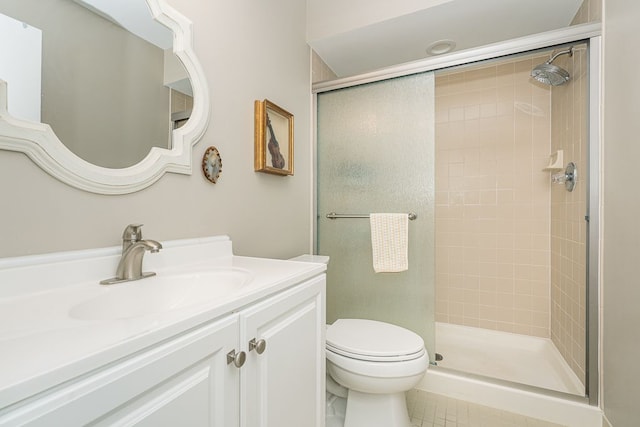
pixel 370 340
pixel 377 369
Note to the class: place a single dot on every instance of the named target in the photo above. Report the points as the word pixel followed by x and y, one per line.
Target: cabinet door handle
pixel 236 358
pixel 259 346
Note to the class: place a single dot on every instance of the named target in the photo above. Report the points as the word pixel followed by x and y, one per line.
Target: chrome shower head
pixel 550 74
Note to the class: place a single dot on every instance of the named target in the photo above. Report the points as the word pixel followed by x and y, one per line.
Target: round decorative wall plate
pixel 212 164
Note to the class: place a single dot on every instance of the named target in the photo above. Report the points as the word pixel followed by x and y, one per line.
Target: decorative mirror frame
pixel 40 144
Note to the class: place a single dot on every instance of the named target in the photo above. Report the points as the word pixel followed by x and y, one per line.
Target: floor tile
pixel 433 410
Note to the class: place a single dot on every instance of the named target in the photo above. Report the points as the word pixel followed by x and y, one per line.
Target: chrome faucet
pixel 133 249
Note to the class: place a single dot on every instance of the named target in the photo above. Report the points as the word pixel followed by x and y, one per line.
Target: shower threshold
pixel 506 356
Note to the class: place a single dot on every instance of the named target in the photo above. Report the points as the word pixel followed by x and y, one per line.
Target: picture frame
pixel 273 139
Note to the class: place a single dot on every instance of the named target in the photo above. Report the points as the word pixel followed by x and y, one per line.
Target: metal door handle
pixel 237 359
pixel 259 346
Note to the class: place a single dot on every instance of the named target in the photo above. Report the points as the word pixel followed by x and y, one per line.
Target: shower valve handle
pixel 568 177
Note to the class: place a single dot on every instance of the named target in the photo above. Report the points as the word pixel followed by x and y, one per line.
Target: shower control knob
pixel 237 359
pixel 259 346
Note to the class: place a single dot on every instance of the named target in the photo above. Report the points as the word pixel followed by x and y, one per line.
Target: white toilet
pixel 376 363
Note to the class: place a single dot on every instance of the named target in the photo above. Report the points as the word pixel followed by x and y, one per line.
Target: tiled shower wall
pixel 568 229
pixel 589 11
pixel 320 71
pixel 568 210
pixel 493 133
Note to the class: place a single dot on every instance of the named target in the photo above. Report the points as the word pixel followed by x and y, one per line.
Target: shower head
pixel 550 74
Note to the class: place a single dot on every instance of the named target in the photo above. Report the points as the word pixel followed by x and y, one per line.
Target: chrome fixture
pixel 550 74
pixel 258 345
pixel 133 249
pixel 568 177
pixel 237 359
pixel 333 215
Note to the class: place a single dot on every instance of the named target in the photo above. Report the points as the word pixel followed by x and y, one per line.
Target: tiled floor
pixel 433 410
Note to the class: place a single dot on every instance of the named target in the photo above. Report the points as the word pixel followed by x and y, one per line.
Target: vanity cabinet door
pixel 183 382
pixel 284 386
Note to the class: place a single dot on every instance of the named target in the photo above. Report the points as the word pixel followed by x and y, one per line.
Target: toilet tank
pixel 319 259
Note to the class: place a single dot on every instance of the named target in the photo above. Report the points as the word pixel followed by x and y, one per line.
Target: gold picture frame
pixel 273 139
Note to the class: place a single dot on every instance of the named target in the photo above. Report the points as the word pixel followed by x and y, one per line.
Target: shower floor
pixel 506 356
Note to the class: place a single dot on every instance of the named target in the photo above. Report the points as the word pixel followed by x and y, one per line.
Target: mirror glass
pixel 98 98
pixel 101 73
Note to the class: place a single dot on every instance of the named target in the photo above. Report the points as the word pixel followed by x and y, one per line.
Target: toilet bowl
pixel 376 363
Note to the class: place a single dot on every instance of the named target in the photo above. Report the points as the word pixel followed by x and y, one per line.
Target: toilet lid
pixel 373 340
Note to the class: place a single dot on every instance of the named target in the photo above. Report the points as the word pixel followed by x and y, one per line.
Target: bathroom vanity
pixel 212 340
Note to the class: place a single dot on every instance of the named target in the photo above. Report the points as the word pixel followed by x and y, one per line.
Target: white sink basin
pixel 162 293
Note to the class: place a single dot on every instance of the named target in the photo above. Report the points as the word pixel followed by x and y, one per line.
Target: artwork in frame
pixel 273 139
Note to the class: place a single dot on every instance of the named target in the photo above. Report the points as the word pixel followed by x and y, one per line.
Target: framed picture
pixel 273 139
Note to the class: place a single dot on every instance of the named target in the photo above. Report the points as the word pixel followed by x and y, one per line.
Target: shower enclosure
pixel 497 279
pixel 510 243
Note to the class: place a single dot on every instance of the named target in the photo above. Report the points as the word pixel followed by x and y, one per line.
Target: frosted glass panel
pixel 376 154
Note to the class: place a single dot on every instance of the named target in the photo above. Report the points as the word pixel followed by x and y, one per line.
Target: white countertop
pixel 42 345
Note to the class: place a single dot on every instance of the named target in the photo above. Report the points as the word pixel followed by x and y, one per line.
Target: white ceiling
pixel 134 16
pixel 404 38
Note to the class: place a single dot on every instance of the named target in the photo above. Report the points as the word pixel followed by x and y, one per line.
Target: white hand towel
pixel 389 241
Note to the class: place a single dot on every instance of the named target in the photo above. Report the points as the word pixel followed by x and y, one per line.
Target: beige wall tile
pixel 568 228
pixel 320 71
pixel 590 11
pixel 488 274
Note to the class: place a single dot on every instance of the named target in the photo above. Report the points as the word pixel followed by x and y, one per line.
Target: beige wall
pixel 265 215
pixel 569 124
pixel 492 198
pixel 621 240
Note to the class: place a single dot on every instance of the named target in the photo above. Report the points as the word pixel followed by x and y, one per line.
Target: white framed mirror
pixel 167 119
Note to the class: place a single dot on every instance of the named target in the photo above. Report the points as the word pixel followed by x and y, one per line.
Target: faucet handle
pixel 132 233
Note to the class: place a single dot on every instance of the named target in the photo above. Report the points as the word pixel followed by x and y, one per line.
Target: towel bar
pixel 333 215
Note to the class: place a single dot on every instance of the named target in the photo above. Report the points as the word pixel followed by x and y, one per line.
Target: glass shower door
pixel 376 154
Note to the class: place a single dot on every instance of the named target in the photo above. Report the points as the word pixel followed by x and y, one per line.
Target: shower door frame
pixel 588 33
